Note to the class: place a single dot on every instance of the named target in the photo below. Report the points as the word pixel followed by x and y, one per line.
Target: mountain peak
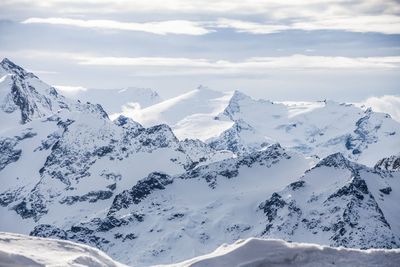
pixel 337 160
pixel 11 68
pixel 238 95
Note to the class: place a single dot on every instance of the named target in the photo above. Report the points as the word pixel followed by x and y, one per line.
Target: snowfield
pixel 20 250
pixel 277 253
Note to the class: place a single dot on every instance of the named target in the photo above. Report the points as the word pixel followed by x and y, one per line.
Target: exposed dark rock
pixel 92 196
pixel 143 188
pixel 391 163
pixel 272 205
pixel 9 153
pixel 386 190
pixel 296 185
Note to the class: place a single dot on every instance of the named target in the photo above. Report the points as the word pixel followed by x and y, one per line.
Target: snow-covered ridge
pixel 19 250
pixel 270 252
pixel 236 122
pixel 117 101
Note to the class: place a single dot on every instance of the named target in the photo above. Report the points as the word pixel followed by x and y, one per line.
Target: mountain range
pixel 204 168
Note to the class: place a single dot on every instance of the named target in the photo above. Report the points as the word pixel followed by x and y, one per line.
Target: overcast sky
pixel 281 50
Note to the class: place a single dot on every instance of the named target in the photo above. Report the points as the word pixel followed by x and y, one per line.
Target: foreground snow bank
pixel 274 253
pixel 21 250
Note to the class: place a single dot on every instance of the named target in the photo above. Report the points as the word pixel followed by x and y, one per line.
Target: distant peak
pixel 9 64
pixel 12 68
pixel 239 95
pixel 6 61
pixel 337 160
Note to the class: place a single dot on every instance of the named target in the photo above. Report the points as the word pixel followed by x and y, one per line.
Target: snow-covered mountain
pixel 69 172
pixel 117 101
pixel 234 121
pixel 24 97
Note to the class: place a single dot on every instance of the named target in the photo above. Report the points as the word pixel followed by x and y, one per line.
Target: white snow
pixel 190 115
pixel 116 101
pixel 278 253
pixel 19 250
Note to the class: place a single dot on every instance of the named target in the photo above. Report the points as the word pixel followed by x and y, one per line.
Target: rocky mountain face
pixel 337 201
pixel 22 92
pixel 69 172
pixel 391 163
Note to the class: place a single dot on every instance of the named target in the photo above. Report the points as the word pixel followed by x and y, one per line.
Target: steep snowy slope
pixel 265 252
pixel 20 250
pixel 190 115
pixel 117 101
pixel 339 203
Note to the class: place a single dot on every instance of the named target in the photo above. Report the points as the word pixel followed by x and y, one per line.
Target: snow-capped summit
pixel 24 97
pixel 9 67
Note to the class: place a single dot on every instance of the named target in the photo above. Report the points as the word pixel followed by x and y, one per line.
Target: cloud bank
pixel 293 62
pixel 163 27
pixel 386 24
pixel 388 104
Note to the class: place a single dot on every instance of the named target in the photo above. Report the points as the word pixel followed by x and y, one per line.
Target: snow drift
pixel 273 252
pixel 21 250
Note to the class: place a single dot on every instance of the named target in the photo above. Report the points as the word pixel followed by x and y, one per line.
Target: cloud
pixel 271 8
pixel 285 62
pixel 388 104
pixel 162 27
pixel 250 27
pixel 387 24
pixel 69 90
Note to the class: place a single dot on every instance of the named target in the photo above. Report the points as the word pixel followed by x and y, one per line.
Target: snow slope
pixel 278 253
pixel 318 129
pixel 190 115
pixel 21 250
pixel 117 101
pixel 236 122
